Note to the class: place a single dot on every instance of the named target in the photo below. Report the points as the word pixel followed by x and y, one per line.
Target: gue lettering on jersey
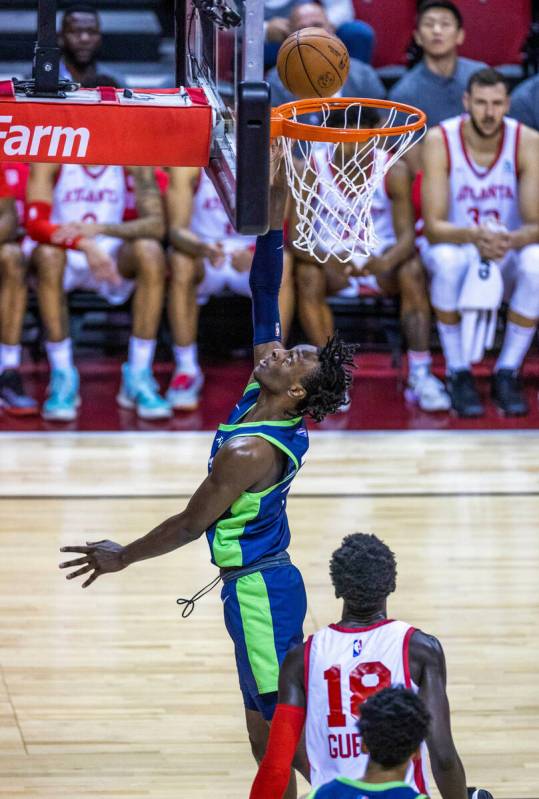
pixel 44 140
pixel 344 744
pixel 498 192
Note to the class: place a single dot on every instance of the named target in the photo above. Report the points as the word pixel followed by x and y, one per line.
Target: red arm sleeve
pixel 40 228
pixel 274 771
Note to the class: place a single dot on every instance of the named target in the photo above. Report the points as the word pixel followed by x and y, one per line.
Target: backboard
pixel 220 47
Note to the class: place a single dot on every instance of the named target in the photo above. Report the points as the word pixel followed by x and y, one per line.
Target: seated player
pixel 13 397
pixel 206 257
pixel 483 168
pixel 78 216
pixel 393 269
pixel 241 505
pixel 392 725
pixel 324 681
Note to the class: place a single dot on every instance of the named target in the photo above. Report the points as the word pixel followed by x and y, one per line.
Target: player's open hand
pixel 100 262
pixel 241 260
pixel 215 254
pixel 99 557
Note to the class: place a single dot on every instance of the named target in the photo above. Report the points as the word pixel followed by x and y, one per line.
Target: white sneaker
pixel 428 392
pixel 184 391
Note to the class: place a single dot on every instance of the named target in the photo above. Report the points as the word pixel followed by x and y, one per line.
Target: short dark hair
pixel 327 385
pixel 354 116
pixel 486 77
pixel 393 723
pixel 363 571
pixel 80 8
pixel 447 4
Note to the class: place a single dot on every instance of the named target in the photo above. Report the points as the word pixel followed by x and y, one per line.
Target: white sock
pixel 187 359
pixel 141 352
pixel 516 344
pixel 418 363
pixel 60 354
pixel 450 341
pixel 10 356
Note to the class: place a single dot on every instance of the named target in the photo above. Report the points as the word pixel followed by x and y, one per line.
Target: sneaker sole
pixel 20 411
pixel 411 397
pixel 62 416
pixel 129 405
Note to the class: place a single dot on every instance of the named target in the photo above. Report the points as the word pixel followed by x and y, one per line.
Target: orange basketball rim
pixel 284 120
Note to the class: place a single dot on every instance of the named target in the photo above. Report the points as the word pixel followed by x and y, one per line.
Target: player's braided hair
pixel 327 385
pixel 363 571
pixel 393 723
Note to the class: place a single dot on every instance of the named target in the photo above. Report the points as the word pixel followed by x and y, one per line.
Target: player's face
pixel 81 37
pixel 487 106
pixel 438 32
pixel 282 369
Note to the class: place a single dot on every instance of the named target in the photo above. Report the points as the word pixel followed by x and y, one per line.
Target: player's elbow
pixel 443 758
pixel 432 232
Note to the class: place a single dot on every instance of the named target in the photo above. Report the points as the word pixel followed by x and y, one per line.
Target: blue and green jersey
pixel 256 526
pixel 343 788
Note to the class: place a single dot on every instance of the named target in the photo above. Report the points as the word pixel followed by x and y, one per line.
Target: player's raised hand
pixel 99 557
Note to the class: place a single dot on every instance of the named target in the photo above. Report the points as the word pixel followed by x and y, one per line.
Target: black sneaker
pixel 508 394
pixel 464 397
pixel 479 793
pixel 13 397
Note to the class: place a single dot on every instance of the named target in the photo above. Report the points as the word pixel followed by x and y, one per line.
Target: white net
pixel 333 184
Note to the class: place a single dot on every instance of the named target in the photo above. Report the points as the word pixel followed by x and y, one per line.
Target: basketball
pixel 313 63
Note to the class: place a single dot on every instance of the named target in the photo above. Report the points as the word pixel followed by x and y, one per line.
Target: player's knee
pixel 150 260
pixel 11 262
pixel 49 262
pixel 183 270
pixel 412 277
pixel 449 263
pixel 310 282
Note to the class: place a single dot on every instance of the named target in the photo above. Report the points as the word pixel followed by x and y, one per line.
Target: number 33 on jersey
pixel 343 667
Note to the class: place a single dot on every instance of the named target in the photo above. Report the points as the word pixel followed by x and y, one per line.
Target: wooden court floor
pixel 109 693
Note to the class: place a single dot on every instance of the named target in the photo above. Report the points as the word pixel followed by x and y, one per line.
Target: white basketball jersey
pixel 210 222
pixel 89 194
pixel 478 195
pixel 343 667
pixel 332 196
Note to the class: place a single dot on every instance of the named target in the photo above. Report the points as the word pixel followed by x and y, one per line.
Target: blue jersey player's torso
pixel 256 525
pixel 343 788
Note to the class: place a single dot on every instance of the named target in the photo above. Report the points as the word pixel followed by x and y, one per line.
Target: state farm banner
pixel 107 126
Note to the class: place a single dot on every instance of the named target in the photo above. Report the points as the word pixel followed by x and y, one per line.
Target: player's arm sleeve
pixel 274 770
pixel 265 281
pixel 41 229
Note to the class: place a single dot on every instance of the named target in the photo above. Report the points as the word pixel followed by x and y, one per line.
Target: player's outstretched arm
pixel 286 728
pixel 267 271
pixel 446 765
pixel 236 468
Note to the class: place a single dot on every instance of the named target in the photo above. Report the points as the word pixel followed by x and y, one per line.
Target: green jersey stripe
pixel 369 786
pixel 250 387
pixel 257 623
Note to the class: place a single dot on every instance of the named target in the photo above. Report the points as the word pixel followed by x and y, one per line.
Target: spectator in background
pixel 439 81
pixel 79 40
pixel 356 35
pixel 206 257
pixel 525 102
pixel 87 238
pixel 13 397
pixel 362 79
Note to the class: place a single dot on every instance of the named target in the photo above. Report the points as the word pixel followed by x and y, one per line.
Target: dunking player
pixel 393 724
pixel 325 680
pixel 393 269
pixel 242 503
pixel 480 168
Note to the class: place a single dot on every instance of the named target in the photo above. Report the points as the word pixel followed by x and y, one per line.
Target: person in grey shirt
pixel 437 83
pixel 525 102
pixel 362 79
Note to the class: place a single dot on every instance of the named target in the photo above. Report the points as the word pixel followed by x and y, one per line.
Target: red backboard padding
pixel 393 22
pixel 495 29
pixel 147 129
